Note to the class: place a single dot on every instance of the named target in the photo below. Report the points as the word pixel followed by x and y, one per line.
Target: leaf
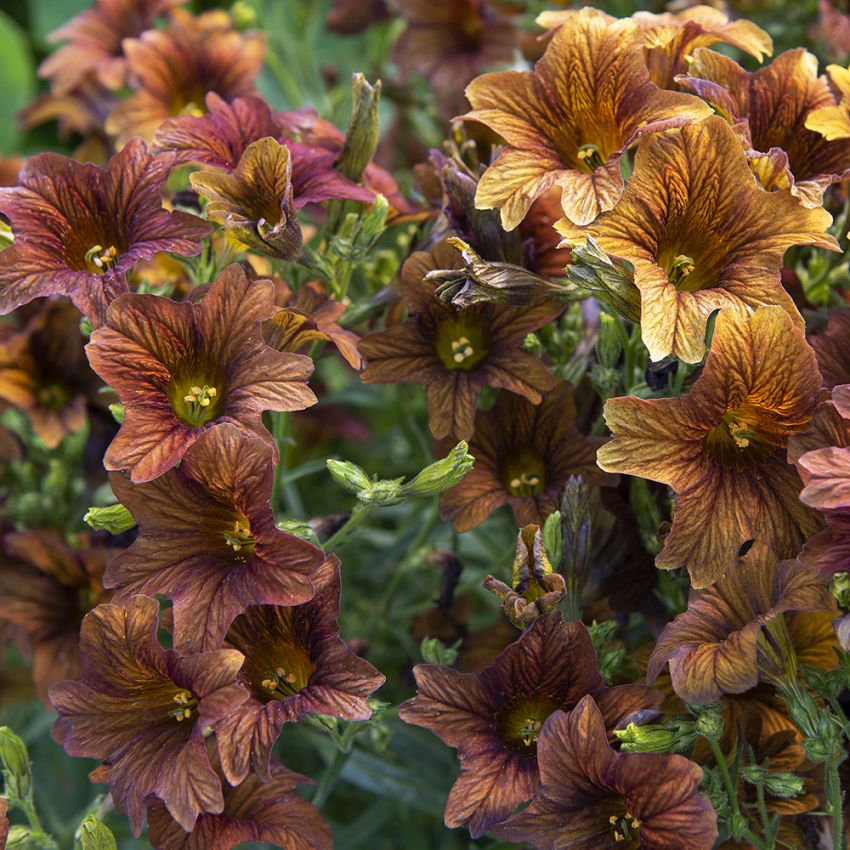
pixel 17 79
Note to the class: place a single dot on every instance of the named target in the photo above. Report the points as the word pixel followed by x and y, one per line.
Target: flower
pixel 524 455
pixel 493 718
pixel 770 110
pixel 593 796
pixel 722 447
pixel 94 43
pixel 173 69
pixel 262 812
pixel 46 587
pixel 44 372
pixel 569 122
pixel 308 315
pixel 295 664
pixel 208 539
pixel 833 120
pixel 733 634
pixel 701 235
pixel 181 369
pixel 144 710
pixel 79 229
pixel 831 349
pixel 450 41
pixel 456 353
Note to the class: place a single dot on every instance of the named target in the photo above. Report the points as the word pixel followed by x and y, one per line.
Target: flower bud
pixel 575 535
pixel 609 346
pixel 244 15
pixel 361 137
pixel 17 771
pixel 592 269
pixel 94 835
pixel 117 411
pixel 783 784
pixel 115 519
pixel 839 587
pixel 442 474
pixel 709 720
pixel 19 838
pixel 606 381
pixel 299 528
pixel 657 738
pixel 349 476
pixel 434 651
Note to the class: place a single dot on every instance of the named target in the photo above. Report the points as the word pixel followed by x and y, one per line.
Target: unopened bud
pixel 609 346
pixel 243 14
pixel 442 474
pixel 606 381
pixel 709 720
pixel 349 476
pixel 117 411
pixel 361 137
pixel 593 270
pixel 17 771
pixel 374 222
pixel 19 838
pixel 839 587
pixel 575 533
pixel 94 835
pixel 299 528
pixel 781 783
pixel 434 651
pixel 657 738
pixel 115 519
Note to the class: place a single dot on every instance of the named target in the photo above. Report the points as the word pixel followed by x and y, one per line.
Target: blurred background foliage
pixel 390 791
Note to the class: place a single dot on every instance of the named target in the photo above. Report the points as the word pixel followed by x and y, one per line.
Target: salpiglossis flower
pixel 146 711
pixel 456 353
pixel 295 664
pixel 524 454
pixel 173 69
pixel 181 369
pixel 263 812
pixel 208 539
pixel 94 43
pixel 833 120
pixel 722 447
pixel 569 122
pixel 493 718
pixel 701 235
pixel 734 634
pixel 770 109
pixel 46 588
pixel 593 796
pixel 832 350
pixel 44 372
pixel 79 229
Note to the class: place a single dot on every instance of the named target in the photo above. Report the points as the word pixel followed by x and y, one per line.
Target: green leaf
pixel 47 15
pixel 17 79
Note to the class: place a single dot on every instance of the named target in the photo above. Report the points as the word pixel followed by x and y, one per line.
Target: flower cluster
pixel 590 354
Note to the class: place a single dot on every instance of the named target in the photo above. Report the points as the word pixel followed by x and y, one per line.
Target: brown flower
pixel 46 588
pixel 173 69
pixel 524 455
pixel 181 369
pixel 208 539
pixel 146 712
pixel 722 447
pixel 733 634
pixel 593 796
pixel 701 235
pixel 456 353
pixel 295 664
pixel 493 718
pixel 832 350
pixel 79 229
pixel 569 122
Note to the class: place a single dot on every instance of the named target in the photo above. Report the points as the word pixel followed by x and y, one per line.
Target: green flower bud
pixel 19 838
pixel 115 519
pixel 606 381
pixel 709 720
pixel 244 15
pixel 300 529
pixel 93 835
pixel 840 588
pixel 592 269
pixel 783 784
pixel 434 651
pixel 657 738
pixel 383 493
pixel 532 345
pixel 349 476
pixel 442 474
pixel 552 537
pixel 361 137
pixel 117 411
pixel 374 222
pixel 17 771
pixel 609 346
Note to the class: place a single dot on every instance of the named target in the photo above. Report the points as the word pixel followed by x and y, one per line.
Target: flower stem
pixel 345 745
pixel 358 515
pixel 835 798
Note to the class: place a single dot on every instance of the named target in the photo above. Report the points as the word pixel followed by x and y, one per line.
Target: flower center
pixel 53 397
pixel 524 474
pixel 186 703
pixel 198 404
pixel 290 676
pixel 745 437
pixel 461 344
pixel 520 721
pixel 590 157
pixel 240 539
pixel 680 269
pixel 626 829
pixel 100 260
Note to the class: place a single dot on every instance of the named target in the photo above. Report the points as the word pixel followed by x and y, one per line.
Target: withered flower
pixel 493 718
pixel 524 455
pixel 208 539
pixel 770 110
pixel 722 447
pixel 261 812
pixel 593 796
pixel 569 122
pixel 306 316
pixel 733 634
pixel 456 353
pixel 94 43
pixel 295 664
pixel 46 588
pixel 173 69
pixel 181 369
pixel 701 235
pixel 144 712
pixel 44 372
pixel 79 229
pixel 832 350
pixel 833 120
pixel 449 42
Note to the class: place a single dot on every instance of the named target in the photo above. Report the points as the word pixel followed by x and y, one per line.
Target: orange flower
pixel 722 447
pixel 701 235
pixel 771 110
pixel 568 123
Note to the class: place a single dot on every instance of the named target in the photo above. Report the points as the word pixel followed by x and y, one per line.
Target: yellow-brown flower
pixel 701 235
pixel 722 447
pixel 833 121
pixel 568 123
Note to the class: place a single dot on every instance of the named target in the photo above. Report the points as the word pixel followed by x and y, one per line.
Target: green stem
pixel 358 515
pixel 280 427
pixel 335 766
pixel 762 807
pixel 835 799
